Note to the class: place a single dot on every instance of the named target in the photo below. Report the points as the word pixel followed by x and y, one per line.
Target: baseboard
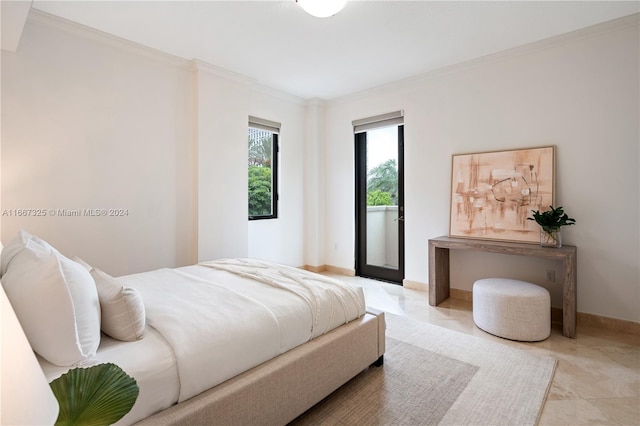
pixel 458 294
pixel 415 285
pixel 329 268
pixel 613 324
pixel 583 319
pixel 341 271
pixel 454 293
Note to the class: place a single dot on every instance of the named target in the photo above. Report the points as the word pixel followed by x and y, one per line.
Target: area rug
pixel 435 376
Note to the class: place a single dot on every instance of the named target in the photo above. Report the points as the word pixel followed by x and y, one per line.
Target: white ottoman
pixel 512 309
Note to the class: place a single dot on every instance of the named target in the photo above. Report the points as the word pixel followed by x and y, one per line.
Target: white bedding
pixel 150 361
pixel 207 323
pixel 221 324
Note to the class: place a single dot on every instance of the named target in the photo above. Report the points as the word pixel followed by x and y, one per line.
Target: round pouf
pixel 515 310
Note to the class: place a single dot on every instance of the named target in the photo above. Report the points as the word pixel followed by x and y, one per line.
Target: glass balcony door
pixel 380 203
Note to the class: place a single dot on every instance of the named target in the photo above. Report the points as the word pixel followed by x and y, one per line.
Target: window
pixel 263 168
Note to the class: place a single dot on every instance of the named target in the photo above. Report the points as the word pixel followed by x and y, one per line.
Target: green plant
pixel 259 190
pixel 98 395
pixel 379 198
pixel 384 178
pixel 551 220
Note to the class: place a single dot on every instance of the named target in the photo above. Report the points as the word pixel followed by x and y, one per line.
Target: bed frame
pixel 278 391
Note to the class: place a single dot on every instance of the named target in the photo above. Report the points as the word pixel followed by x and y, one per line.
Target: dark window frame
pixel 362 268
pixel 275 154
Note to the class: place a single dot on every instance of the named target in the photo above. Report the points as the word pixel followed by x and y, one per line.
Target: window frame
pixel 275 154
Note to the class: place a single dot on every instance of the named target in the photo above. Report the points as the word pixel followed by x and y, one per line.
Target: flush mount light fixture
pixel 322 8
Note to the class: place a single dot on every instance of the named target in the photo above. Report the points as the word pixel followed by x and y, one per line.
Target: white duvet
pixel 224 317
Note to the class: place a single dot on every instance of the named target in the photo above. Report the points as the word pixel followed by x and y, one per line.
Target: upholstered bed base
pixel 276 392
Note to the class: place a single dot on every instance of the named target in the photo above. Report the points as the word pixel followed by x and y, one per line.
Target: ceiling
pixel 367 44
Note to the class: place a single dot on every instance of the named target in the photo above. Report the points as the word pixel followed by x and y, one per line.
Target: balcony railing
pixel 382 236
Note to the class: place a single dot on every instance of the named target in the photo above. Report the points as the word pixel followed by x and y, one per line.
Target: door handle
pixel 401 219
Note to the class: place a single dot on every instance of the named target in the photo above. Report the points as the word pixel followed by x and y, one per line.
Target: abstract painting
pixel 493 193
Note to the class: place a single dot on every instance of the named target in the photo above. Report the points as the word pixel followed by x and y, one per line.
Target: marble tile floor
pixel 597 380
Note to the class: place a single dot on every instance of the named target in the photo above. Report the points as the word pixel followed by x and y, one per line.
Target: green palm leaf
pixel 98 395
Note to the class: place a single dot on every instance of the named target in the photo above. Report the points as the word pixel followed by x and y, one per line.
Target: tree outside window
pixel 382 184
pixel 262 174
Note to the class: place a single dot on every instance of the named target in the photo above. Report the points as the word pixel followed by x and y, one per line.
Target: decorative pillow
pixel 54 298
pixel 123 314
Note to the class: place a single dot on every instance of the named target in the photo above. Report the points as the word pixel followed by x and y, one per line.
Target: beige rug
pixel 432 375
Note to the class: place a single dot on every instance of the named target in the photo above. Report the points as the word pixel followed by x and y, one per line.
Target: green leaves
pixel 552 219
pixel 98 395
pixel 259 191
pixel 384 178
pixel 379 198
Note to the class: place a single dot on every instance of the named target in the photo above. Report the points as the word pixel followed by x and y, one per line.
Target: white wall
pixel 579 92
pixel 90 121
pixel 222 124
pixel 225 101
pixel 282 239
pixel 86 125
pixel 314 183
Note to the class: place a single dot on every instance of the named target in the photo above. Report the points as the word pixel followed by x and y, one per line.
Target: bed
pixel 231 341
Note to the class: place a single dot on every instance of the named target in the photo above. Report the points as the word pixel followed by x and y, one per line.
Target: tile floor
pixel 597 380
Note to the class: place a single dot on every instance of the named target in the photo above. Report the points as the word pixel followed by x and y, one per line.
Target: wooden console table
pixel 439 269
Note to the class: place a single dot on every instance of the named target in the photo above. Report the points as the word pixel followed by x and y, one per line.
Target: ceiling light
pixel 322 8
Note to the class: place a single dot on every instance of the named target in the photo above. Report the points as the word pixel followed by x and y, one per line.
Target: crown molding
pixel 202 66
pixel 43 18
pixel 315 102
pixel 251 83
pixel 38 17
pixel 530 48
pixel 276 93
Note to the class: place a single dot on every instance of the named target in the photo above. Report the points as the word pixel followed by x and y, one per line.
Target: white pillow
pixel 54 298
pixel 123 314
pixel 16 245
pixel 84 264
pixel 122 310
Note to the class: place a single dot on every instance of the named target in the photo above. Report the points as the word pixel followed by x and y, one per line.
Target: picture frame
pixel 493 193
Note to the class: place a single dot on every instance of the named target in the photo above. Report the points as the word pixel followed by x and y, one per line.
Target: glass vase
pixel 551 237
